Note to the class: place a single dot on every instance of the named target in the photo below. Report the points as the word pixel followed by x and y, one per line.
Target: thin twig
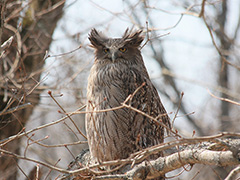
pixel 202 8
pixel 59 55
pixel 223 99
pixel 233 173
pixel 179 105
pixel 14 109
pixel 50 93
pixel 50 170
pixel 150 117
pixel 8 153
pixel 37 128
pixel 71 129
pixel 37 172
pixel 215 45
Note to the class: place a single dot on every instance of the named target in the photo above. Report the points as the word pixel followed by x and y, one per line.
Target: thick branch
pixel 175 161
pixel 194 154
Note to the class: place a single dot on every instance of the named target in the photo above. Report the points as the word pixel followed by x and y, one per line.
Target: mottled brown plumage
pixel 117 72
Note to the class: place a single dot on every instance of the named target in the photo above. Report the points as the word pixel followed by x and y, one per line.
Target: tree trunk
pixel 21 66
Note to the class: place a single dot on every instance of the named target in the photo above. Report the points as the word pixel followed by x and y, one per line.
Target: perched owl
pixel 117 72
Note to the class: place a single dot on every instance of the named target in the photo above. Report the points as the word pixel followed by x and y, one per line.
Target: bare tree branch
pixel 153 169
pixel 233 174
pixel 207 154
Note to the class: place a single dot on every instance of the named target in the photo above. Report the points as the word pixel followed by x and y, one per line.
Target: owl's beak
pixel 114 56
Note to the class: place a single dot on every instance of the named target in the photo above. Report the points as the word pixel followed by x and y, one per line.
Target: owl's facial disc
pixel 113 53
pixel 114 49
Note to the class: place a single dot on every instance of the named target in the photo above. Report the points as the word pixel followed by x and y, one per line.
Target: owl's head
pixel 114 50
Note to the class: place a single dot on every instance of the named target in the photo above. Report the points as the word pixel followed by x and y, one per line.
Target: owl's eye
pixel 122 49
pixel 106 50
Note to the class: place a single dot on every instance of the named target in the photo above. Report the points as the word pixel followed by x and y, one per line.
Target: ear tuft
pixel 133 38
pixel 96 38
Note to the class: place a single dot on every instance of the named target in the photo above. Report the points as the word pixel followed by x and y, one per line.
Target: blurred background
pixel 187 50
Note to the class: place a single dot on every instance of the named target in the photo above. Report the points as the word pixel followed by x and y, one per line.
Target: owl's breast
pixel 105 76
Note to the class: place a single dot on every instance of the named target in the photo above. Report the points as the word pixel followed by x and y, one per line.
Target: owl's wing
pixel 157 106
pixel 146 99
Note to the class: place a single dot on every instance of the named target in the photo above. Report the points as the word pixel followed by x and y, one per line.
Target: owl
pixel 119 71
